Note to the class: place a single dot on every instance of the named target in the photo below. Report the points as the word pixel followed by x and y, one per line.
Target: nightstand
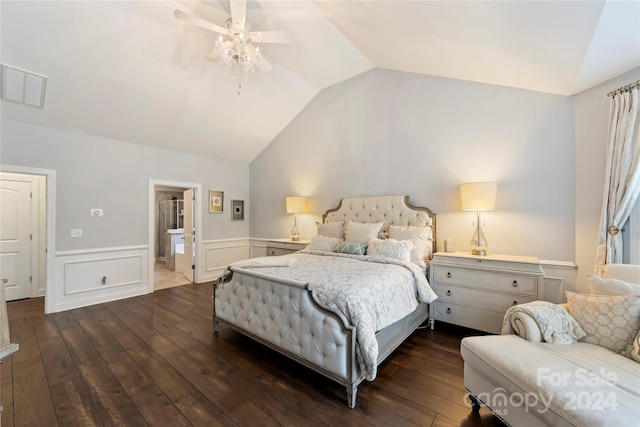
pixel 475 291
pixel 285 246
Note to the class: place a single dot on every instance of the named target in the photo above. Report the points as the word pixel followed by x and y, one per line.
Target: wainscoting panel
pixel 218 254
pixel 258 248
pixel 559 276
pixel 88 277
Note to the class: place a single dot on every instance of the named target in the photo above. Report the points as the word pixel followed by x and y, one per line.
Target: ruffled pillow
pixel 419 236
pixel 390 248
pixel 323 243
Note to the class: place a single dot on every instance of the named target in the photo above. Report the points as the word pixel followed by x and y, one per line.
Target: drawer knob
pixel 448 275
pixel 515 283
pixel 515 303
pixel 448 293
pixel 449 310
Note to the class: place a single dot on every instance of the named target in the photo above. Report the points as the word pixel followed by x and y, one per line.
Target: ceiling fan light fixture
pixel 238 54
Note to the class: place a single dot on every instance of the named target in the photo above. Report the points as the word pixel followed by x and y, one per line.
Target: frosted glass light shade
pixel 296 205
pixel 478 196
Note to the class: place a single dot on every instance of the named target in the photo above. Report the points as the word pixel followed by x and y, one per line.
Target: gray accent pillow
pixel 353 248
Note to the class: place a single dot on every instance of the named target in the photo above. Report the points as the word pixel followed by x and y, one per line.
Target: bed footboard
pixel 284 315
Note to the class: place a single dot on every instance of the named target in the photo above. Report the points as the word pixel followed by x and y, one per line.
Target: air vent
pixel 23 87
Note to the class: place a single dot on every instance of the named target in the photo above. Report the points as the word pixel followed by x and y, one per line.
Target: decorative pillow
pixel 419 236
pixel 633 350
pixel 610 321
pixel 331 229
pixel 323 243
pixel 362 232
pixel 353 248
pixel 390 248
pixel 609 286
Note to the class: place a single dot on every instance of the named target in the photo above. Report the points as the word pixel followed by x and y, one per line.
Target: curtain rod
pixel 626 88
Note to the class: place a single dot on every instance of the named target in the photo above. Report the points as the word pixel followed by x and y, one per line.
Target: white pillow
pixel 608 286
pixel 362 232
pixel 419 236
pixel 391 248
pixel 323 243
pixel 610 321
pixel 331 229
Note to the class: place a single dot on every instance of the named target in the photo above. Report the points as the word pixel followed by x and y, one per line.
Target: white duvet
pixel 371 292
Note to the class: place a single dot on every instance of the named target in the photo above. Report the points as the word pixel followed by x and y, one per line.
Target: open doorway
pixel 172 207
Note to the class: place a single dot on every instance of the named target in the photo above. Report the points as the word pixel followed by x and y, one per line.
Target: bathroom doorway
pixel 166 242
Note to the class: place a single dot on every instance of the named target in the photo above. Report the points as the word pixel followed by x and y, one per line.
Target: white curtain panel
pixel 622 179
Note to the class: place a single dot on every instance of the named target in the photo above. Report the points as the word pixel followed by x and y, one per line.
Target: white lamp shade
pixel 296 205
pixel 480 196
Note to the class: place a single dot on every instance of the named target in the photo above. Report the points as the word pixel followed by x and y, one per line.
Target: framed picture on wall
pixel 216 201
pixel 237 210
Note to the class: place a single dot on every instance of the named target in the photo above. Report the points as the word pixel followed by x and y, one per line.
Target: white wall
pixel 591 126
pixel 387 132
pixel 95 172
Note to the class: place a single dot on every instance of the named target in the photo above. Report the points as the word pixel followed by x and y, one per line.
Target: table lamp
pixel 478 196
pixel 295 205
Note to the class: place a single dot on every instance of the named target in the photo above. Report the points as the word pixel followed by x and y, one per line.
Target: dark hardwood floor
pixel 154 360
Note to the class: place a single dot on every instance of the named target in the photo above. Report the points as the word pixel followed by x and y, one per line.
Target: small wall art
pixel 237 210
pixel 216 201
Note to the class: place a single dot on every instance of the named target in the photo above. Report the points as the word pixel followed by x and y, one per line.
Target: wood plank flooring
pixel 154 360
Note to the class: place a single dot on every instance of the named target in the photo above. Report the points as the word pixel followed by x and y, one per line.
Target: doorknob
pixel 5 281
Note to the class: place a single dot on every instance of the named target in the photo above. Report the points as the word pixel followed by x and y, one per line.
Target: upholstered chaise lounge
pixel 529 382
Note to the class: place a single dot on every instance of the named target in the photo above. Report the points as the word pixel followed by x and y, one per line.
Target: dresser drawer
pixel 272 251
pixel 479 297
pixel 470 317
pixel 488 280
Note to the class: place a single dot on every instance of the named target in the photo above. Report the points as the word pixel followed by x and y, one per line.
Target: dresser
pixel 285 246
pixel 475 291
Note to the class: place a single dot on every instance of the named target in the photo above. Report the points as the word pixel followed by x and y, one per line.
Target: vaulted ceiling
pixel 130 71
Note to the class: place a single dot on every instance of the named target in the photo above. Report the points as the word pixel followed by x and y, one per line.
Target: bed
pixel 293 303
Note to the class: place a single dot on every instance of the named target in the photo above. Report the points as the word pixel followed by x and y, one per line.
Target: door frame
pixel 46 260
pixel 152 219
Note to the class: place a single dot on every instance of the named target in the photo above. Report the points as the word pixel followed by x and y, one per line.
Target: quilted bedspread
pixel 371 292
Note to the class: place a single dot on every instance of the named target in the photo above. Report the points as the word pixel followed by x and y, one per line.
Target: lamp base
pixel 479 251
pixel 295 238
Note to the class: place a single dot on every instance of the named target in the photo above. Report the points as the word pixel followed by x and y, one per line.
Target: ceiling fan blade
pixel 271 37
pixel 239 12
pixel 199 22
pixel 214 56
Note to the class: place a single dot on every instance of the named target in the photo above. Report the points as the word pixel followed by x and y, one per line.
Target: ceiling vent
pixel 23 87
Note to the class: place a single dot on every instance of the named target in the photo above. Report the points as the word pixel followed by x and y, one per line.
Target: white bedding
pixel 371 292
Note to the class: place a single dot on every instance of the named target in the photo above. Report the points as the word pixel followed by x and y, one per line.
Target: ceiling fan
pixel 237 46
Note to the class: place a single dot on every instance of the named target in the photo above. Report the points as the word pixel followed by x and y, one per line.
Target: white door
pixel 15 238
pixel 189 235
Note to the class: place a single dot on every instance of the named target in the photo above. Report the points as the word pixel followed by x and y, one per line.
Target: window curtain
pixel 622 179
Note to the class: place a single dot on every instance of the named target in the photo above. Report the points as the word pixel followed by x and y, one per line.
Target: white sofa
pixel 528 382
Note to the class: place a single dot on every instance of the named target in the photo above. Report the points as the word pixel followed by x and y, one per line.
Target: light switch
pixel 76 232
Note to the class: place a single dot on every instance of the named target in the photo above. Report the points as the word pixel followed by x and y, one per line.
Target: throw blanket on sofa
pixel 557 326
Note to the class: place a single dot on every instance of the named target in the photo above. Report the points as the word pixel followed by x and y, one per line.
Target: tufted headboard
pixel 394 210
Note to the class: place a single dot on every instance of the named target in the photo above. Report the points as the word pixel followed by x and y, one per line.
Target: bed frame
pixel 285 316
